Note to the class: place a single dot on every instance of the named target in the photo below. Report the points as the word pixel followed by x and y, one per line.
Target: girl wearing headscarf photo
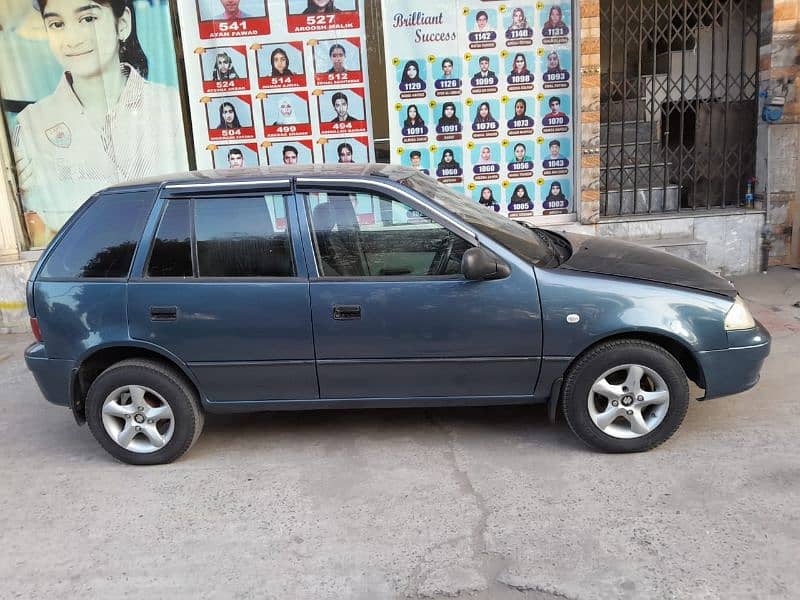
pixel 410 79
pixel 286 114
pixel 448 161
pixel 223 68
pixel 520 201
pixel 486 198
pixel 485 156
pixel 519 25
pixel 448 121
pixel 555 198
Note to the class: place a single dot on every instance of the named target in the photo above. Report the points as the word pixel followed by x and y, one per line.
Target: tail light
pixel 37 333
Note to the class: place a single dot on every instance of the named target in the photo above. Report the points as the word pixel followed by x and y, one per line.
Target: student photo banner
pixel 481 99
pixel 277 81
pixel 79 124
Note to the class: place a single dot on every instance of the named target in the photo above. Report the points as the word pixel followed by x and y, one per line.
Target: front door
pixel 393 316
pixel 223 291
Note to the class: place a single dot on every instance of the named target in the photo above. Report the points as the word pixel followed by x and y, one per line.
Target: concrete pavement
pixel 475 503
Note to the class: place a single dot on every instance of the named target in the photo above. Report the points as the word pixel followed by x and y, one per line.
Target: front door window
pixel 368 235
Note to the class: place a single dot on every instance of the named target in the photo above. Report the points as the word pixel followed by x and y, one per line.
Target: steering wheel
pixel 442 256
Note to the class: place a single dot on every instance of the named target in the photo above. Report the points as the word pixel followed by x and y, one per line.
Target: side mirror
pixel 478 264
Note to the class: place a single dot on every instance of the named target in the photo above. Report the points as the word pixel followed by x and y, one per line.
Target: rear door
pixel 394 318
pixel 222 288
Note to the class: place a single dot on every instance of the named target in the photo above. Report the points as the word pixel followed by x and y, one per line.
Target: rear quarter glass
pixel 102 241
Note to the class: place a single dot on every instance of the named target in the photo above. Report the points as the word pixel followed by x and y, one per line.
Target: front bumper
pixel 738 367
pixel 53 376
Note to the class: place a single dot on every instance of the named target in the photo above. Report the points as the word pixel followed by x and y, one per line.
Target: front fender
pixel 608 306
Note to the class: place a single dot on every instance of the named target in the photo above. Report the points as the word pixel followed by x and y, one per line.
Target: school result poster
pixel 481 99
pixel 275 82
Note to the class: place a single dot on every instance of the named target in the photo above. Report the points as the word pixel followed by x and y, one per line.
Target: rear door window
pixel 242 237
pixel 101 243
pixel 223 237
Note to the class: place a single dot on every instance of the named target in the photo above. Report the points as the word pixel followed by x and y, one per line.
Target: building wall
pixel 589 208
pixel 779 143
pixel 15 264
pixel 10 227
pixel 778 151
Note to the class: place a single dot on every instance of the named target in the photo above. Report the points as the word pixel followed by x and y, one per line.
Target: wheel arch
pixel 678 349
pixel 99 359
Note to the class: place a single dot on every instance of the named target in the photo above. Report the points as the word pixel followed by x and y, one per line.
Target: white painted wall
pixel 9 216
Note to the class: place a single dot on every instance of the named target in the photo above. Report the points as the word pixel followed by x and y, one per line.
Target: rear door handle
pixel 163 313
pixel 346 312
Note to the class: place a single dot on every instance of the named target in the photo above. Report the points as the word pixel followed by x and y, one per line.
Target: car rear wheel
pixel 143 413
pixel 625 396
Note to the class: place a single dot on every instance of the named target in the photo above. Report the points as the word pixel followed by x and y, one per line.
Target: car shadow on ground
pixel 526 423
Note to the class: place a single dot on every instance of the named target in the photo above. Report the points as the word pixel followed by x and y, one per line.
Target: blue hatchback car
pixel 365 286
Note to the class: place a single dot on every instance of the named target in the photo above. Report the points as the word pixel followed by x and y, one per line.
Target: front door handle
pixel 163 313
pixel 346 312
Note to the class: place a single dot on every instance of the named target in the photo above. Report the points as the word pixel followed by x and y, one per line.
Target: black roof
pixel 394 172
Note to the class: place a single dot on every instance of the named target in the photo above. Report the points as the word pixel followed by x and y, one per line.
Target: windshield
pixel 519 239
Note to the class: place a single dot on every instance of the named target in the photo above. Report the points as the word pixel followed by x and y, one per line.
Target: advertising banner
pixel 274 82
pixel 481 99
pixel 90 97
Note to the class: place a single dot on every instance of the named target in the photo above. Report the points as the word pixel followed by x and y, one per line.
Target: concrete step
pixel 642 175
pixel 628 153
pixel 682 246
pixel 637 201
pixel 618 132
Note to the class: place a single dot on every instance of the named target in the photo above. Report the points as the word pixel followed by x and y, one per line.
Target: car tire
pixel 625 396
pixel 143 412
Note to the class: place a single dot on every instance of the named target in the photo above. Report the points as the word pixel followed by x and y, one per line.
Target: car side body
pixel 306 340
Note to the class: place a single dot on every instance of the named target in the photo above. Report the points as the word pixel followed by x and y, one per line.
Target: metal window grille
pixel 678 103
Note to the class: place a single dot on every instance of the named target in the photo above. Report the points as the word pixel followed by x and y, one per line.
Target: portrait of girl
pixel 555 25
pixel 224 68
pixel 280 66
pixel 484 121
pixel 519 73
pixel 228 119
pixel 554 75
pixel 520 200
pixel 411 78
pixel 448 121
pixel 413 121
pixel 556 201
pixel 520 119
pixel 520 65
pixel 487 199
pixel 412 117
pixel 448 165
pixel 104 122
pixel 279 61
pixel 518 28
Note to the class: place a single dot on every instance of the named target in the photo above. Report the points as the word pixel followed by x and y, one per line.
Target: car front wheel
pixel 625 396
pixel 143 413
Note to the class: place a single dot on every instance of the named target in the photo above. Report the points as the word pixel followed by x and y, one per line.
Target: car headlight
pixel 739 316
